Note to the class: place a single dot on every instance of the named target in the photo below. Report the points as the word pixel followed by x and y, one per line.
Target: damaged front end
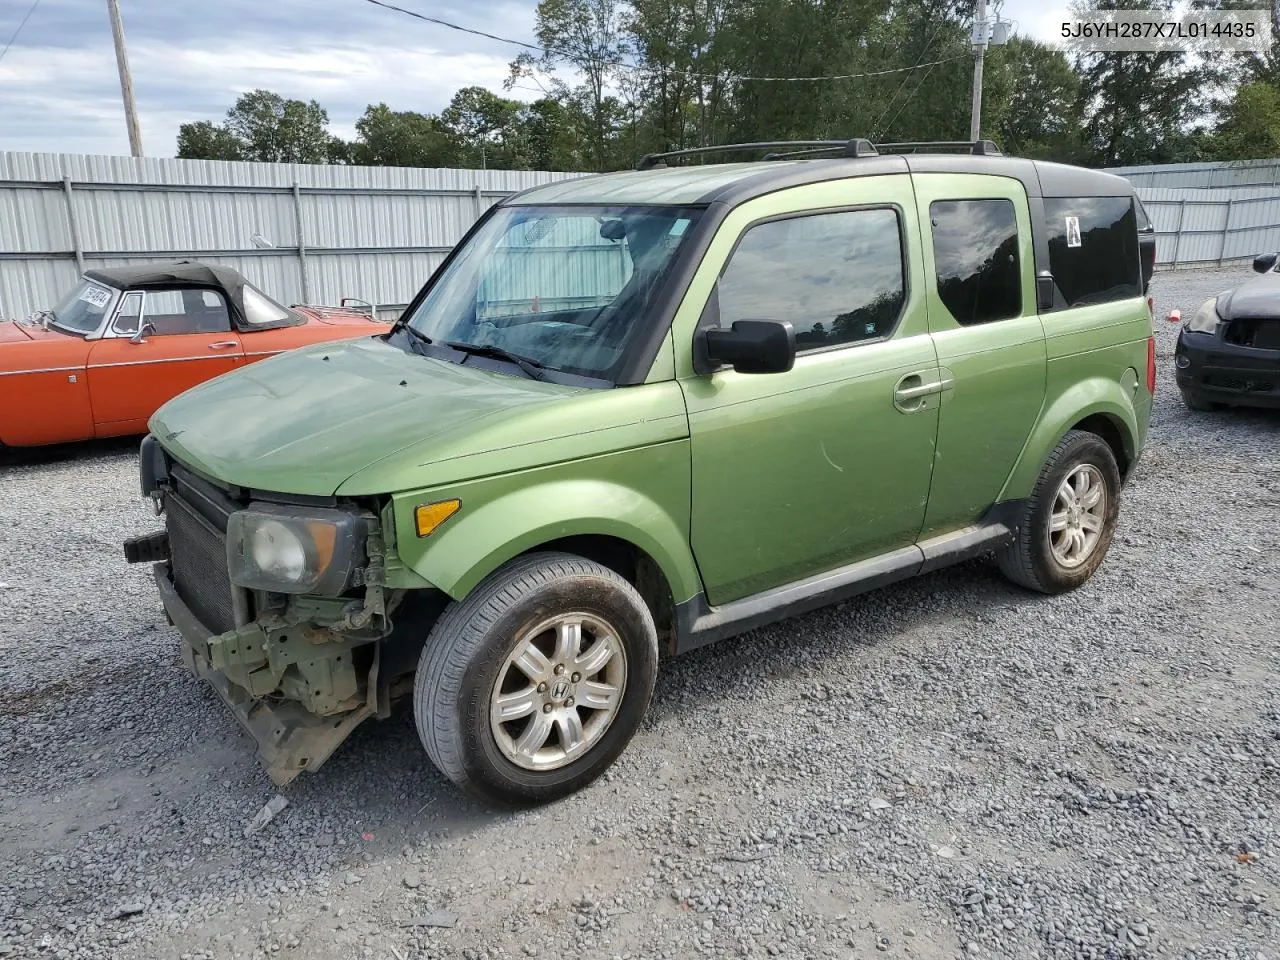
pixel 282 606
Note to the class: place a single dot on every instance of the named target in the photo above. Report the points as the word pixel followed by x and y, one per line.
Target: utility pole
pixel 126 80
pixel 979 51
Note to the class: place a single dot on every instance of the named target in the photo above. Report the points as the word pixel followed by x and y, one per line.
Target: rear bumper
pixel 290 738
pixel 1222 372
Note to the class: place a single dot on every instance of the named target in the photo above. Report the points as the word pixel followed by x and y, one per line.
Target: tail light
pixel 1151 365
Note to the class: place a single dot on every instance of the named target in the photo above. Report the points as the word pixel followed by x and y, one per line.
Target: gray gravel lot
pixel 947 768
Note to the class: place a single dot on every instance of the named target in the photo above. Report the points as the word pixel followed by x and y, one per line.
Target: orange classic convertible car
pixel 125 340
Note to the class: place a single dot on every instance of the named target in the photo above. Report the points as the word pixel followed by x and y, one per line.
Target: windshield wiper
pixel 416 341
pixel 532 368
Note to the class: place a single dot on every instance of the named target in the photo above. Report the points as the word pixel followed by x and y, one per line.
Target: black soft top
pixel 189 273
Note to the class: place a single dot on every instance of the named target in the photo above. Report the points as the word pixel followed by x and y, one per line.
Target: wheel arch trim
pixel 1094 397
pixel 475 542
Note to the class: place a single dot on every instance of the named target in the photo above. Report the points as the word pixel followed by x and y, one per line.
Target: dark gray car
pixel 1229 352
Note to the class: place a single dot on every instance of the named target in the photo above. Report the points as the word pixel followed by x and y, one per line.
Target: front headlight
pixel 1206 319
pixel 271 547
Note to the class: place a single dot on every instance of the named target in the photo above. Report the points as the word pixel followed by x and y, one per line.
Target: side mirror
pixel 753 346
pixel 1265 263
pixel 141 335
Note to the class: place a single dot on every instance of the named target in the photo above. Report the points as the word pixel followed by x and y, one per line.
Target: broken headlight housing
pixel 1206 319
pixel 283 550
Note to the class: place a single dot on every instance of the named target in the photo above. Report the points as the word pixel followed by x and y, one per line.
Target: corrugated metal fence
pixel 1212 225
pixel 1208 213
pixel 316 234
pixel 304 233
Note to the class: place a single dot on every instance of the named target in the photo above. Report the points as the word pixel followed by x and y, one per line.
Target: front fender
pixel 1111 398
pixel 478 540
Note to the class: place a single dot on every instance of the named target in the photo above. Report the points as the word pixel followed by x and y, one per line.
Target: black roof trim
pixel 1014 167
pixel 1039 178
pixel 815 171
pixel 856 147
pixel 1061 180
pixel 802 149
pixel 977 148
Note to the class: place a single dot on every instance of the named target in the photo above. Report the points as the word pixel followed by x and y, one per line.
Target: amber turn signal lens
pixel 428 516
pixel 324 536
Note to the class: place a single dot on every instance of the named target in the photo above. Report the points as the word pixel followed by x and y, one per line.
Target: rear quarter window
pixel 1093 249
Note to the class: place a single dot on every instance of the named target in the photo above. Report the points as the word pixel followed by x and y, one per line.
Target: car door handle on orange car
pixel 224 345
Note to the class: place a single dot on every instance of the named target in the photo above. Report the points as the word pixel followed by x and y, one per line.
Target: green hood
pixel 362 417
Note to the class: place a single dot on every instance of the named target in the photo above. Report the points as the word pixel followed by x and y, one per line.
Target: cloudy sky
pixel 59 91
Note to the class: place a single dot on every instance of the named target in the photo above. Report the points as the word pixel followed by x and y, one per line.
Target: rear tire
pixel 531 686
pixel 1069 520
pixel 1197 402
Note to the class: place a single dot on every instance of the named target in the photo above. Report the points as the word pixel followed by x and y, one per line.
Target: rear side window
pixel 1093 248
pixel 260 310
pixel 975 253
pixel 836 277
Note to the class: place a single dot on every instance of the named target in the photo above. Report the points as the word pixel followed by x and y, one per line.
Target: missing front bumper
pixel 1224 372
pixel 290 738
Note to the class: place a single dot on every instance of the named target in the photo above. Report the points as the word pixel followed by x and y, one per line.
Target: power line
pixel 641 67
pixel 19 30
pixel 914 92
pixel 875 129
pixel 452 26
pixel 842 76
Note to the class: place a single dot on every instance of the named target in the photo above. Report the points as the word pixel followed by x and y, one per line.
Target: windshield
pixel 81 311
pixel 565 287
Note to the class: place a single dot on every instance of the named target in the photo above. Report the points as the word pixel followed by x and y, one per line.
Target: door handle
pixel 910 392
pixel 224 344
pixel 914 393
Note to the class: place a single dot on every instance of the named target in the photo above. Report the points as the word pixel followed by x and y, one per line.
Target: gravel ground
pixel 946 768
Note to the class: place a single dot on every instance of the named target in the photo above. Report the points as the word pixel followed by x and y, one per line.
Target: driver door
pixel 186 339
pixel 829 463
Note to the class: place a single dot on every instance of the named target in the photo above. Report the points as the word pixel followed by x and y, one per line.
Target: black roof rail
pixel 978 148
pixel 857 147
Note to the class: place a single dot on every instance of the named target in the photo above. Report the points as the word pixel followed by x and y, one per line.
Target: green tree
pixel 682 91
pixel 1033 101
pixel 392 138
pixel 549 139
pixel 486 127
pixel 1249 128
pixel 266 127
pixel 591 38
pixel 203 140
pixel 271 128
pixel 1146 107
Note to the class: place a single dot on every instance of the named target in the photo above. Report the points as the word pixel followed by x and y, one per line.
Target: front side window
pixel 177 312
pixel 836 277
pixel 567 287
pixel 81 311
pixel 1093 248
pixel 129 314
pixel 975 253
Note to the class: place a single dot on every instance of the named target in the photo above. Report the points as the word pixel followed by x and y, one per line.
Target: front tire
pixel 1069 520
pixel 530 687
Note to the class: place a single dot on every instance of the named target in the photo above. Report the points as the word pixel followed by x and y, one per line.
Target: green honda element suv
pixel 635 413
